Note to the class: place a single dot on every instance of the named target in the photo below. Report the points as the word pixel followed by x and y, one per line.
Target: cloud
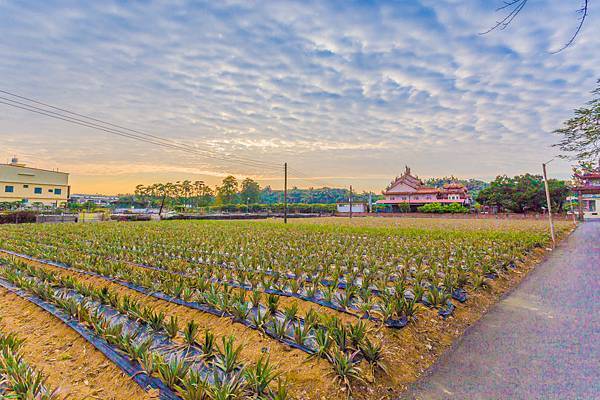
pixel 352 88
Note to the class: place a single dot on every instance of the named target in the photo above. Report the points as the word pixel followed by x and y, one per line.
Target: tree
pixel 182 193
pixel 185 191
pixel 142 193
pixel 314 196
pixel 227 193
pixel 203 194
pixel 512 8
pixel 167 192
pixel 250 191
pixel 581 134
pixel 268 195
pixel 498 194
pixel 523 193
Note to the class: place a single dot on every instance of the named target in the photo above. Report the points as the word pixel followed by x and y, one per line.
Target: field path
pixel 541 341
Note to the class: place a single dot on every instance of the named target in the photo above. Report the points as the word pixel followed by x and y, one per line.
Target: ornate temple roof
pixel 410 184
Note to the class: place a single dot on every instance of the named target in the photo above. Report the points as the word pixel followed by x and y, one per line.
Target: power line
pixel 120 126
pixel 164 143
pixel 92 126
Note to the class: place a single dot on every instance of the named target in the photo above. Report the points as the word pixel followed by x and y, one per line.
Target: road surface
pixel 542 341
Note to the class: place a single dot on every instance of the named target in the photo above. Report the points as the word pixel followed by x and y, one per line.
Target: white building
pixel 356 208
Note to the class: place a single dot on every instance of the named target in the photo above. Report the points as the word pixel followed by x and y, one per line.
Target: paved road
pixel 542 341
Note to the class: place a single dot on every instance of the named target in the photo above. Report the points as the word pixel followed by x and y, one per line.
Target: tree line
pixel 523 193
pixel 580 141
pixel 231 191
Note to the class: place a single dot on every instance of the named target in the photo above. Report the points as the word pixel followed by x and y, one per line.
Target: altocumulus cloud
pixel 346 90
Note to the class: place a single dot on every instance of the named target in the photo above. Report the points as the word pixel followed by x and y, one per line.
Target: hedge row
pixel 18 217
pixel 277 208
pixel 438 208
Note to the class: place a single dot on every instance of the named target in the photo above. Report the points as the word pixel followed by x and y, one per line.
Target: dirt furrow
pixel 70 363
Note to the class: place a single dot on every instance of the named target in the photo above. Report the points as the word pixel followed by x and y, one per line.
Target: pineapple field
pixel 320 308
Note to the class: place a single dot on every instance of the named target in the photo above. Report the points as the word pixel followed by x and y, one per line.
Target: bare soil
pixel 69 362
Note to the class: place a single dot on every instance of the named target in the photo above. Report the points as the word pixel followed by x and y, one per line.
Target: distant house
pixel 410 190
pixel 588 194
pixel 97 199
pixel 356 208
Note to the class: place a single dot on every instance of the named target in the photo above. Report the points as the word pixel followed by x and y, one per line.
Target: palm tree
pixel 198 188
pixel 186 188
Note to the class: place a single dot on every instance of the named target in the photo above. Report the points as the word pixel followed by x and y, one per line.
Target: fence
pixel 92 217
pixel 241 216
pixel 54 219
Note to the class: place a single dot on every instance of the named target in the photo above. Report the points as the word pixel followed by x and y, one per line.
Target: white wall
pixel 357 208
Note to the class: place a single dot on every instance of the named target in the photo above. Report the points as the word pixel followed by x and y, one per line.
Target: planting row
pixel 188 367
pixel 318 334
pixel 370 292
pixel 378 274
pixel 333 256
pixel 394 307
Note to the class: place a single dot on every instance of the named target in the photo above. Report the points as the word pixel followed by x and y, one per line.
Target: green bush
pixel 404 207
pixel 10 205
pixel 437 208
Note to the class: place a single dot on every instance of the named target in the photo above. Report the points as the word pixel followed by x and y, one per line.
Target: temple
pixel 587 188
pixel 409 189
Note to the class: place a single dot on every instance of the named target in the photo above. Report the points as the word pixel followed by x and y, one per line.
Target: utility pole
pixel 350 201
pixel 285 193
pixel 549 205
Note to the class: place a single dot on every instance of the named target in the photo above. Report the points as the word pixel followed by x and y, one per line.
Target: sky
pixel 345 92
